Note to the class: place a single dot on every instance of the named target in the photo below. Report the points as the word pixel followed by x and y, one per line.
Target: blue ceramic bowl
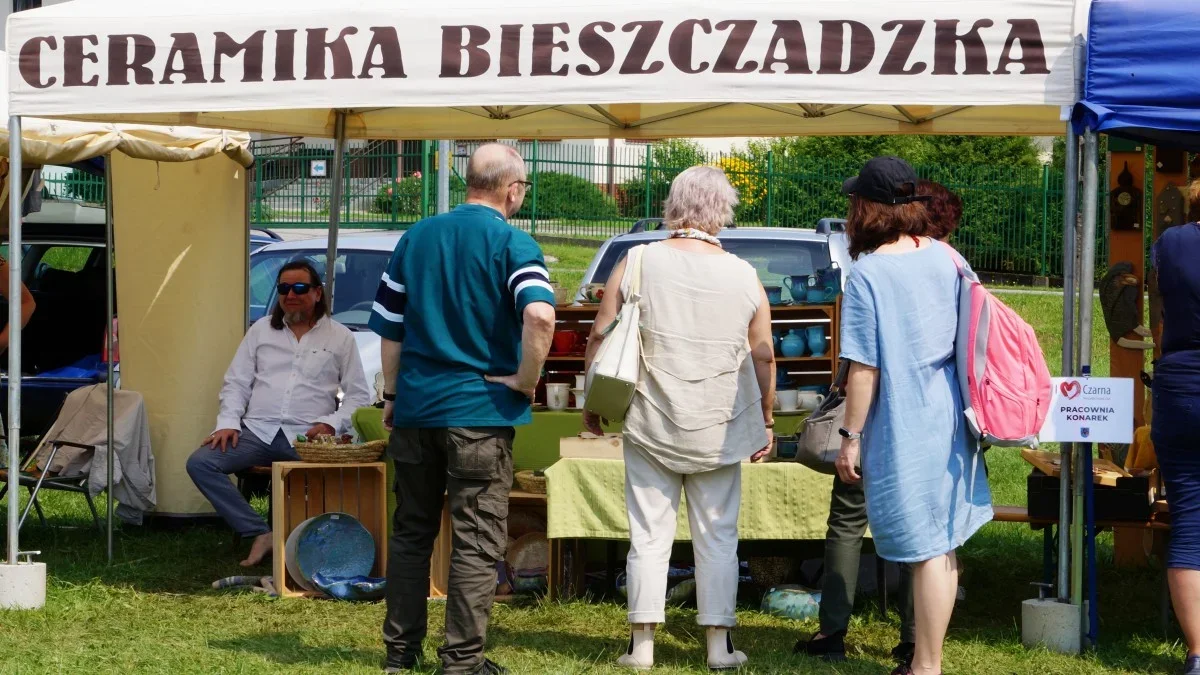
pixel 354 588
pixel 334 545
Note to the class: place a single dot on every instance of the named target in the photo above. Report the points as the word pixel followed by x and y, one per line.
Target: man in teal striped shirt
pixel 466 314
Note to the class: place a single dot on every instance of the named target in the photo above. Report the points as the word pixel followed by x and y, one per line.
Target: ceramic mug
pixel 594 293
pixel 564 341
pixel 580 382
pixel 556 395
pixel 820 294
pixel 809 400
pixel 788 399
pixel 774 294
pixel 796 285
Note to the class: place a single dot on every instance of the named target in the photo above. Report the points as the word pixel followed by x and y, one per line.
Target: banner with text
pixel 133 56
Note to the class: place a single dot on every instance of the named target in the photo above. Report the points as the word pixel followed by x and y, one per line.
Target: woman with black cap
pixel 924 478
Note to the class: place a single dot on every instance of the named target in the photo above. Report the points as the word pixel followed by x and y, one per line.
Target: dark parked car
pixel 63 260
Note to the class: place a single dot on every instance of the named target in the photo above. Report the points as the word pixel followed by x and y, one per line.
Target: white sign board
pixel 318 168
pixel 1090 410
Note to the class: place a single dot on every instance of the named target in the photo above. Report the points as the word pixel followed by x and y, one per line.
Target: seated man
pixel 282 383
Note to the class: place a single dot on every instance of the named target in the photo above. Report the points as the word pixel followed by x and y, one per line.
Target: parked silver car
pixel 776 252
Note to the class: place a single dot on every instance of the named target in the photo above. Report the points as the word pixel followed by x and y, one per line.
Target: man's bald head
pixel 493 168
pixel 496 177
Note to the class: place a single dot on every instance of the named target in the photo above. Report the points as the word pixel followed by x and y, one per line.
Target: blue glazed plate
pixel 334 545
pixel 361 589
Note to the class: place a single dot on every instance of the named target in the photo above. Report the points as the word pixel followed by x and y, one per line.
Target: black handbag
pixel 819 441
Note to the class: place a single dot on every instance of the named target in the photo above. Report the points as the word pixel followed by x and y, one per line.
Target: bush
pixel 561 195
pixel 262 212
pixel 406 192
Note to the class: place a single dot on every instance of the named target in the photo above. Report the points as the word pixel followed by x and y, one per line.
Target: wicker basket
pixel 768 571
pixel 350 453
pixel 531 482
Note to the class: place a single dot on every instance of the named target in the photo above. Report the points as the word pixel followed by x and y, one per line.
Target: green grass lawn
pixel 153 610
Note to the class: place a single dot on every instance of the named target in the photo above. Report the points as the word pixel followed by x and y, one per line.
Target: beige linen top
pixel 696 407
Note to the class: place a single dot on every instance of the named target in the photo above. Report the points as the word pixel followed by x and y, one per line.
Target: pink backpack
pixel 1003 375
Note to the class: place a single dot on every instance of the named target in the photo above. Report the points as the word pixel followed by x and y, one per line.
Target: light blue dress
pixel 925 480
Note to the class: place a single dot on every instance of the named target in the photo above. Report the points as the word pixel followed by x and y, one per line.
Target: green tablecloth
pixel 780 500
pixel 536 444
pixel 587 497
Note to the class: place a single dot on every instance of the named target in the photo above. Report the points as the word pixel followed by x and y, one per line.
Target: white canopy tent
pixel 63 142
pixel 641 69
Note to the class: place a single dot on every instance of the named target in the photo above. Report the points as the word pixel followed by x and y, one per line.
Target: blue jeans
pixel 210 469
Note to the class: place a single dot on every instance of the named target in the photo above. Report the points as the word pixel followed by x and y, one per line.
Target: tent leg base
pixel 1051 624
pixel 23 586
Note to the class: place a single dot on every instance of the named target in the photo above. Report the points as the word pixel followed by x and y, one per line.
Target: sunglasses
pixel 298 289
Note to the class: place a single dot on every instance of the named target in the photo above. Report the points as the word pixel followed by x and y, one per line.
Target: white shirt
pixel 278 382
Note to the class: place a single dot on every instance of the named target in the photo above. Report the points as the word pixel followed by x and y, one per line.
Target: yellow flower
pixel 748 180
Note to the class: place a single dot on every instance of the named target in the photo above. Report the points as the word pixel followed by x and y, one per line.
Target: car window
pixel 773 259
pixel 358 275
pixel 66 258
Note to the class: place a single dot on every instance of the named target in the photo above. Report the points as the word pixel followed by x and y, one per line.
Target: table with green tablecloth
pixel 780 500
pixel 586 497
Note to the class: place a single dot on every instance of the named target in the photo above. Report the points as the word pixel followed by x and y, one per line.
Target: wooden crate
pixel 301 490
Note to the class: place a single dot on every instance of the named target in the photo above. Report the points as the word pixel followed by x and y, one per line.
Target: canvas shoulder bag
pixel 613 376
pixel 820 441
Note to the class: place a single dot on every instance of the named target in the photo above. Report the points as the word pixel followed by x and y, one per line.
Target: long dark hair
pixel 944 209
pixel 321 308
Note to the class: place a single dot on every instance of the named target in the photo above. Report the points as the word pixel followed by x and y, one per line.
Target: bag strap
pixel 957 259
pixel 635 281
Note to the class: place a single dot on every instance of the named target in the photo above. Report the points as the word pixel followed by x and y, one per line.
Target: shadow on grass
pixel 290 650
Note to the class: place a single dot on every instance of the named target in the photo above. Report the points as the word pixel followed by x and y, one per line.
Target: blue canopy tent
pixel 1140 83
pixel 1141 80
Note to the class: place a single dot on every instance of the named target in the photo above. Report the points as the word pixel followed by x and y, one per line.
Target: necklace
pixel 693 233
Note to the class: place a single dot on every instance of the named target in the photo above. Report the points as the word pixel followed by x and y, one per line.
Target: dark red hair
pixel 943 210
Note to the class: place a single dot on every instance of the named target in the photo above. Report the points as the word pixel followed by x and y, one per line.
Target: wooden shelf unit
pixel 805 370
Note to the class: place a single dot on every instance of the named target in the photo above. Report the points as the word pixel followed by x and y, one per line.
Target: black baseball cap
pixel 887 180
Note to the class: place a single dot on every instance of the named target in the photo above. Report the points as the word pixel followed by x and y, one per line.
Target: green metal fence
pixel 74 185
pixel 1012 217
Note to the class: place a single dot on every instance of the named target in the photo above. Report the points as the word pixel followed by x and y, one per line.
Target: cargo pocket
pixel 478 453
pixel 491 525
pixel 404 446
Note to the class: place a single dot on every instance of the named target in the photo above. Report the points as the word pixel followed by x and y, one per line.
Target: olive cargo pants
pixel 472 467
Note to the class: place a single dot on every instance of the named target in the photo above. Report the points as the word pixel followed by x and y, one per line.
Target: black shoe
pixel 904 652
pixel 489 667
pixel 831 648
pixel 1191 666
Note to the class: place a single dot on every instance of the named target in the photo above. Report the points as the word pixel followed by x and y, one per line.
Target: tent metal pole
pixel 335 202
pixel 110 312
pixel 443 186
pixel 14 336
pixel 1086 282
pixel 1070 215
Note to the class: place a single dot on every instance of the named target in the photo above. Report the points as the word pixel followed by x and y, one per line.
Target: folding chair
pixel 35 480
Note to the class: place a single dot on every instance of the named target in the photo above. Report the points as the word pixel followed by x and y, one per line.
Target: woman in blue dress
pixel 1175 430
pixel 925 482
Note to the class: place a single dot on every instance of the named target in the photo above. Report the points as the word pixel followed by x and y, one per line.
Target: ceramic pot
pixel 792 345
pixel 815 337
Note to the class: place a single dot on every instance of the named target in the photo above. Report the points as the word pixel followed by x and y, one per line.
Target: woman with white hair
pixel 703 405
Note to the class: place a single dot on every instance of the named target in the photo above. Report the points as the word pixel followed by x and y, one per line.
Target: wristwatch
pixel 851 435
pixel 389 397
